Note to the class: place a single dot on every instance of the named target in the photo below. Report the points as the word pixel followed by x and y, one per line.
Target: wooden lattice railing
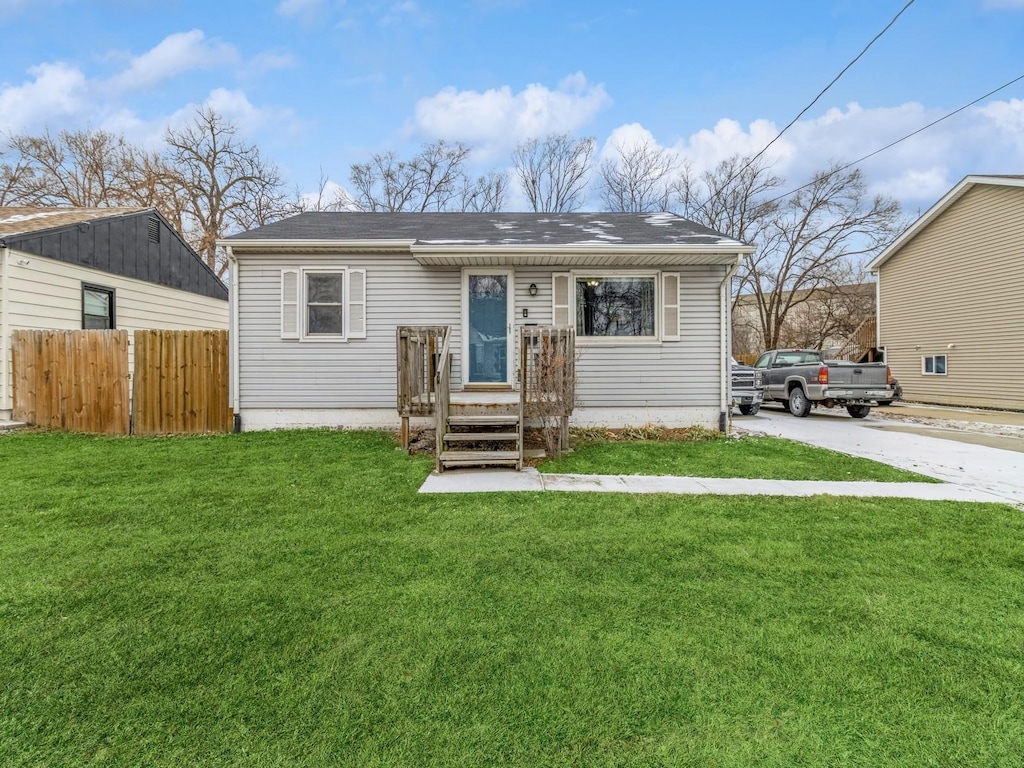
pixel 443 392
pixel 418 347
pixel 547 376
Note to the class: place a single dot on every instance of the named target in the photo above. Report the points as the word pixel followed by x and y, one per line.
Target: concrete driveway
pixel 950 449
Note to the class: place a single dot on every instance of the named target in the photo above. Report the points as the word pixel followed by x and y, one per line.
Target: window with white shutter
pixel 289 303
pixel 323 304
pixel 670 306
pixel 357 304
pixel 561 298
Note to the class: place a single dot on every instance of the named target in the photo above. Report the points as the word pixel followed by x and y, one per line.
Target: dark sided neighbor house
pixel 99 268
pixel 317 299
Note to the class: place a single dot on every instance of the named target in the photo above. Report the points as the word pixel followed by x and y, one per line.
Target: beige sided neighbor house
pixel 951 298
pixel 99 268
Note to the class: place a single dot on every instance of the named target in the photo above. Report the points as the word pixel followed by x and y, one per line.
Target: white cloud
pixel 497 119
pixel 174 55
pixel 57 90
pixel 988 139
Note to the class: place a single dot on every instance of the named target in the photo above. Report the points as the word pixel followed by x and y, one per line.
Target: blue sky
pixel 320 84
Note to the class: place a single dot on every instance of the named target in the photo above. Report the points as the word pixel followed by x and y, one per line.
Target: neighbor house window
pixel 97 308
pixel 616 306
pixel 934 364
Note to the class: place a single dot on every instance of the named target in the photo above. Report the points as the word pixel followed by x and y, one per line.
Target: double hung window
pixel 323 304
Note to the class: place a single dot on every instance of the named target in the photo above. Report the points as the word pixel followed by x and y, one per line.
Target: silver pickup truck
pixel 747 388
pixel 801 378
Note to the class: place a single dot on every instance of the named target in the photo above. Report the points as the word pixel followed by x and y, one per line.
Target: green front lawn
pixel 769 458
pixel 288 599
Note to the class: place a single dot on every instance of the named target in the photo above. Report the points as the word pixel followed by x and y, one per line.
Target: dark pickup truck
pixel 801 379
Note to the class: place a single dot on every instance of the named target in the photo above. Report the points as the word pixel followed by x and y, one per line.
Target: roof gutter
pixel 318 244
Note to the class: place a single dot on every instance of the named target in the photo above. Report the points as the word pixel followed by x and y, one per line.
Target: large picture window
pixel 616 306
pixel 97 308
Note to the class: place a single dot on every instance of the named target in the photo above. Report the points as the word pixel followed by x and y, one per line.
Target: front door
pixel 487 327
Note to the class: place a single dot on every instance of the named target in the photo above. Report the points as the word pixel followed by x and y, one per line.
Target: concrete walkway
pixel 529 479
pixel 6 425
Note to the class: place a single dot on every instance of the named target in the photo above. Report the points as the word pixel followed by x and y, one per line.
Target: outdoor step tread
pixel 475 420
pixel 481 436
pixel 482 457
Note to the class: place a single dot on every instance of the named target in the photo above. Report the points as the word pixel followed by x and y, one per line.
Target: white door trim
pixel 509 317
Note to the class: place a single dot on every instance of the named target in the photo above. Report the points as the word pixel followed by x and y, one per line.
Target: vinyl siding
pixel 960 282
pixel 47 294
pixel 360 373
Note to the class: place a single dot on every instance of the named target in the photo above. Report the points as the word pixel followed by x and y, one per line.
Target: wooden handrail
pixel 443 396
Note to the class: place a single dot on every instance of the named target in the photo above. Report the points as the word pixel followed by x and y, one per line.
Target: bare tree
pixel 485 194
pixel 429 181
pixel 809 243
pixel 553 172
pixel 226 184
pixel 639 180
pixel 85 168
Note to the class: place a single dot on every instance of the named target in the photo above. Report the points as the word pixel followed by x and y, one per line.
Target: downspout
pixel 6 375
pixel 725 335
pixel 233 338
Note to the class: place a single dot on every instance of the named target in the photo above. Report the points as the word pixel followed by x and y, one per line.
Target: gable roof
pixel 27 220
pixel 120 241
pixel 967 183
pixel 492 229
pixel 454 239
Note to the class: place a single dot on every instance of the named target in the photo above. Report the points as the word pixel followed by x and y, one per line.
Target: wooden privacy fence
pixel 79 381
pixel 72 380
pixel 181 382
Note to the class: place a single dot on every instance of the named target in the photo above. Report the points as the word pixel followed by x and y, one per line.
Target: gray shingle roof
pixel 493 229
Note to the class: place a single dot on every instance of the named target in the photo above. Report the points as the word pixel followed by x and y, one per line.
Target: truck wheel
pixel 858 411
pixel 751 409
pixel 799 405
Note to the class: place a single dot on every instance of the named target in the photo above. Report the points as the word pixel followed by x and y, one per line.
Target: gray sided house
pixel 99 268
pixel 317 300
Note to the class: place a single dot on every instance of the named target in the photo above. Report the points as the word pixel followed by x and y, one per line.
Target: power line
pixel 894 143
pixel 823 90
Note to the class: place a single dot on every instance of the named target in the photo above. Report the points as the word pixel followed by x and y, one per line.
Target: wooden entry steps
pixel 481 435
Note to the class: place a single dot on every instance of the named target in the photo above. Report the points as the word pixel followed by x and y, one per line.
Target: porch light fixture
pixel 533 289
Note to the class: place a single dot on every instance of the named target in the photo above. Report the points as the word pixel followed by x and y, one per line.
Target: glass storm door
pixel 487 351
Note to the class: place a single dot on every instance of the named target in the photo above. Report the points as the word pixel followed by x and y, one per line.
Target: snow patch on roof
pixel 661 219
pixel 30 216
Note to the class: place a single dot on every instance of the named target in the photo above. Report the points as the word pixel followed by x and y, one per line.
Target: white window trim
pixel 320 338
pixel 612 341
pixel 933 358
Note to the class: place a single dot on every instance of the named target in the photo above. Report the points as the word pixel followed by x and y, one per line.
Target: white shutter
pixel 289 303
pixel 670 306
pixel 561 298
pixel 356 304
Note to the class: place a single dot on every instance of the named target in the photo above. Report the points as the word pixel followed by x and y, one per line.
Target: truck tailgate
pixel 844 374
